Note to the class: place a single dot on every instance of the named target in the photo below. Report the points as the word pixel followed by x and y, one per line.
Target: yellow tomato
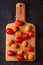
pixel 14 28
pixel 20 52
pixel 9 42
pixel 25 56
pixel 18 33
pixel 30 56
pixel 23 44
pixel 27 28
pixel 14 45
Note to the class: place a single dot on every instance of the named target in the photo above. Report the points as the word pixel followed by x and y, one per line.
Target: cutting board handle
pixel 20 11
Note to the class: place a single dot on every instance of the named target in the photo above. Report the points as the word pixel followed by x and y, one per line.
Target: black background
pixel 34 14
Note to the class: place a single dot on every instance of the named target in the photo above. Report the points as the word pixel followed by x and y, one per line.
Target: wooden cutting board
pixel 20 15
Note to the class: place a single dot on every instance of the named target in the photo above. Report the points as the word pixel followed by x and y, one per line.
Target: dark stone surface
pixel 34 15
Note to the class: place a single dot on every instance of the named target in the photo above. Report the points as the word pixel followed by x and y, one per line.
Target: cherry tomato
pixel 30 56
pixel 10 53
pixel 24 36
pixel 14 46
pixel 19 57
pixel 14 28
pixel 18 23
pixel 18 39
pixel 9 31
pixel 20 51
pixel 30 49
pixel 31 34
pixel 25 56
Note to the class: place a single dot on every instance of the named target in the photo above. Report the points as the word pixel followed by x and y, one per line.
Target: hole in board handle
pixel 20 5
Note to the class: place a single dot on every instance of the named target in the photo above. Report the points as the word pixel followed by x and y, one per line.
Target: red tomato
pixel 9 31
pixel 18 23
pixel 24 36
pixel 18 39
pixel 30 49
pixel 19 57
pixel 10 53
pixel 31 34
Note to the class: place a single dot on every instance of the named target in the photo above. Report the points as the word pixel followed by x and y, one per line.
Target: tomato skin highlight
pixel 31 34
pixel 18 22
pixel 9 31
pixel 19 57
pixel 10 53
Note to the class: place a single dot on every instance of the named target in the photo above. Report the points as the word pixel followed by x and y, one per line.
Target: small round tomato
pixel 30 49
pixel 9 42
pixel 18 39
pixel 24 36
pixel 14 28
pixel 30 56
pixel 18 23
pixel 31 34
pixel 10 53
pixel 27 28
pixel 19 56
pixel 14 46
pixel 20 51
pixel 23 44
pixel 25 56
pixel 18 33
pixel 9 31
